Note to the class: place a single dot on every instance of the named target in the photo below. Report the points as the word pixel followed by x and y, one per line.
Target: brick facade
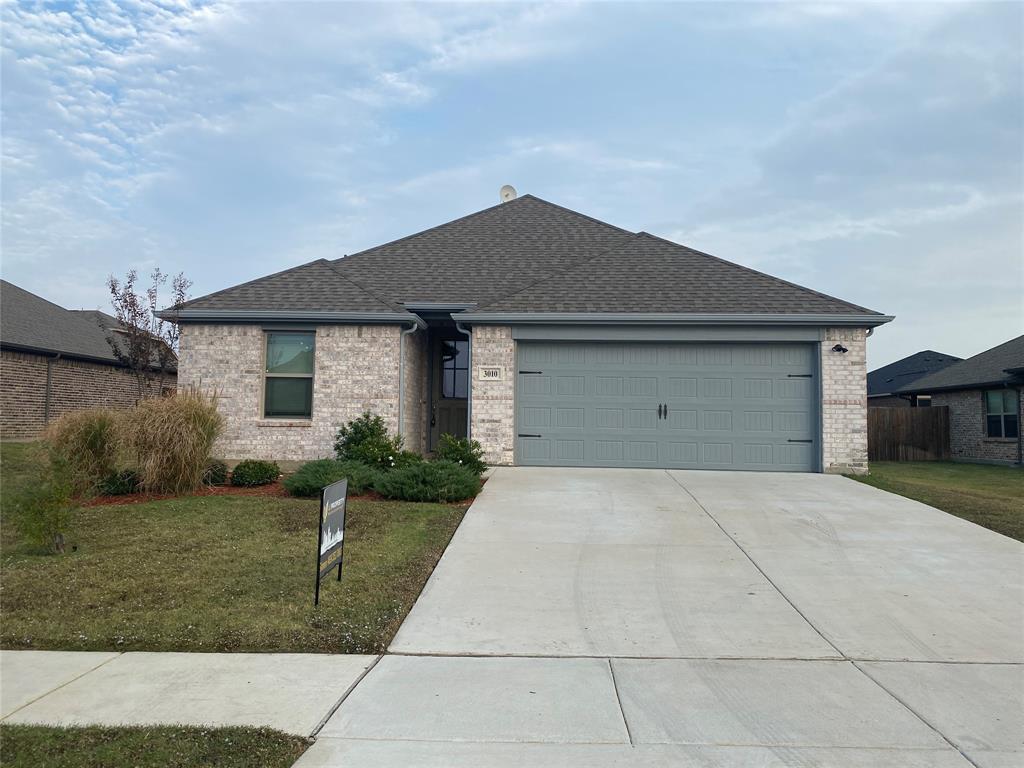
pixel 414 414
pixel 493 402
pixel 968 440
pixel 75 385
pixel 356 370
pixel 844 402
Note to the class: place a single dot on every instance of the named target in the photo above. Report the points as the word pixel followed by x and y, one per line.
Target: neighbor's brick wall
pixel 356 370
pixel 844 402
pixel 75 385
pixel 414 414
pixel 493 402
pixel 967 432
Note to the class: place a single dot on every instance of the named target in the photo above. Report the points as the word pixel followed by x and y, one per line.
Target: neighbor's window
pixel 288 387
pixel 1001 413
pixel 455 370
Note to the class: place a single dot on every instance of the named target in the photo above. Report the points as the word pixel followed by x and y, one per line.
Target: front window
pixel 1001 413
pixel 288 380
pixel 455 370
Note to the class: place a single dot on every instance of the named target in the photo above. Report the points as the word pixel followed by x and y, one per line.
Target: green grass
pixel 36 746
pixel 990 496
pixel 215 573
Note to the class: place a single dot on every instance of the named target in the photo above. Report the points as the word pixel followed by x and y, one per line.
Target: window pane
pixel 1009 401
pixel 461 350
pixel 448 383
pixel 288 398
pixel 462 383
pixel 1010 426
pixel 994 401
pixel 290 352
pixel 995 426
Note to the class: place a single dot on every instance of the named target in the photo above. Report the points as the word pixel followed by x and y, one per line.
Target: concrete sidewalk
pixel 292 692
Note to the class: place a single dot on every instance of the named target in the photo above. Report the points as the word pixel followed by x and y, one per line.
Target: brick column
pixel 493 421
pixel 844 402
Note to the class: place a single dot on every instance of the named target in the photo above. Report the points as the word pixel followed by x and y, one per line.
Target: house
pixel 550 337
pixel 54 361
pixel 983 394
pixel 885 381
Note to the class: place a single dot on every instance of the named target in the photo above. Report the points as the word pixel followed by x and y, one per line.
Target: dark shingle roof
pixel 649 274
pixel 30 322
pixel 894 376
pixel 533 256
pixel 986 368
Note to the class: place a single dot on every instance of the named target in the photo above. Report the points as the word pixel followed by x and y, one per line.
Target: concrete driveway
pixel 600 617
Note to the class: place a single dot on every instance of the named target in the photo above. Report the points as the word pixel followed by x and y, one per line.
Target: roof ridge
pixel 758 272
pixel 473 215
pixel 558 273
pixel 389 304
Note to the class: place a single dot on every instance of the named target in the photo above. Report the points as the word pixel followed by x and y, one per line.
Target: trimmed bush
pixel 120 483
pixel 216 472
pixel 170 438
pixel 366 440
pixel 314 475
pixel 255 472
pixel 464 451
pixel 429 481
pixel 86 445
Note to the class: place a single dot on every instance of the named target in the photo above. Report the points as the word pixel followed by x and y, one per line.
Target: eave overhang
pixel 659 318
pixel 298 316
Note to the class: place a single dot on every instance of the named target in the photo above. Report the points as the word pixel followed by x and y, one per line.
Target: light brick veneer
pixel 493 402
pixel 844 403
pixel 414 414
pixel 356 370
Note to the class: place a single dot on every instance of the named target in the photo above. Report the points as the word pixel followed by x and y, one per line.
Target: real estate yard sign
pixel 331 542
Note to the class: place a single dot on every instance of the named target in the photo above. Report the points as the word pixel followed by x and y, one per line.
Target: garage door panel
pixel 728 406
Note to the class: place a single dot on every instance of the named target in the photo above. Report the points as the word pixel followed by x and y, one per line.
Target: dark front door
pixel 450 358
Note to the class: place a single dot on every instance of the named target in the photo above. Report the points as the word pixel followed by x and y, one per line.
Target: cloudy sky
pixel 873 151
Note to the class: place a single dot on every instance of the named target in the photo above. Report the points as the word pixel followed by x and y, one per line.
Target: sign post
pixel 331 540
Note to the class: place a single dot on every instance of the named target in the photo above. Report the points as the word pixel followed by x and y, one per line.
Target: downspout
pixel 469 363
pixel 416 325
pixel 49 383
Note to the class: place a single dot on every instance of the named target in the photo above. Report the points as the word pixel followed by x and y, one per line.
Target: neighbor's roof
pixel 993 367
pixel 526 255
pixel 31 322
pixel 894 376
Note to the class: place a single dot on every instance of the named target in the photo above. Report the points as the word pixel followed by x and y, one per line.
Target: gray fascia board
pixel 433 306
pixel 259 316
pixel 1002 383
pixel 653 318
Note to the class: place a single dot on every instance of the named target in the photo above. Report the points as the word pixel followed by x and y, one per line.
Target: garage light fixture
pixel 840 348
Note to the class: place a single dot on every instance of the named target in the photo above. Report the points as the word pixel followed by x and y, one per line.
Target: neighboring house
pixel 983 394
pixel 885 381
pixel 54 360
pixel 550 337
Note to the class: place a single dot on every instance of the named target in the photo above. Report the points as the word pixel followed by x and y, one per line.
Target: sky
pixel 874 151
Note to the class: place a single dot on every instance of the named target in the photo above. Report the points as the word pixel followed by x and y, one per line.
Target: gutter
pixel 416 324
pixel 257 316
pixel 672 318
pixel 469 363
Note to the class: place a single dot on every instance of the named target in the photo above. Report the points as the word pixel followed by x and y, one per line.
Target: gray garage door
pixel 707 406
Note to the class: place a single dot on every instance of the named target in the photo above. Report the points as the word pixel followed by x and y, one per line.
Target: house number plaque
pixel 490 373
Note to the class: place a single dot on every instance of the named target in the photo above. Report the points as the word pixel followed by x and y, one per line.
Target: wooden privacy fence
pixel 908 434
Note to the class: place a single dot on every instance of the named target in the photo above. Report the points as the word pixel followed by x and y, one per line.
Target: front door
pixel 450 358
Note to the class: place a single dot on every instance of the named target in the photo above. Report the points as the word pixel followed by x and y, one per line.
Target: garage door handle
pixel 534 372
pixel 799 441
pixel 522 435
pixel 799 375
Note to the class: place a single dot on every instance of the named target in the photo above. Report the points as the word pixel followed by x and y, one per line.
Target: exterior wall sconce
pixel 840 348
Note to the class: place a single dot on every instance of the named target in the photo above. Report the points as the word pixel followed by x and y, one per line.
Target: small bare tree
pixel 142 342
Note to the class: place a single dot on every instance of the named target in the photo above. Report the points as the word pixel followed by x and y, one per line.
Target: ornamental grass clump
pixel 86 446
pixel 171 439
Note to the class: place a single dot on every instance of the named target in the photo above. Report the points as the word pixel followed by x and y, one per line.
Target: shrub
pixel 314 475
pixel 120 483
pixel 86 446
pixel 255 472
pixel 216 472
pixel 42 510
pixel 366 440
pixel 171 439
pixel 429 481
pixel 462 451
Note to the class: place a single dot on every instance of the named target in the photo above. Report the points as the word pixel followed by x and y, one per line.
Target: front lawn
pixel 37 746
pixel 215 573
pixel 988 495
